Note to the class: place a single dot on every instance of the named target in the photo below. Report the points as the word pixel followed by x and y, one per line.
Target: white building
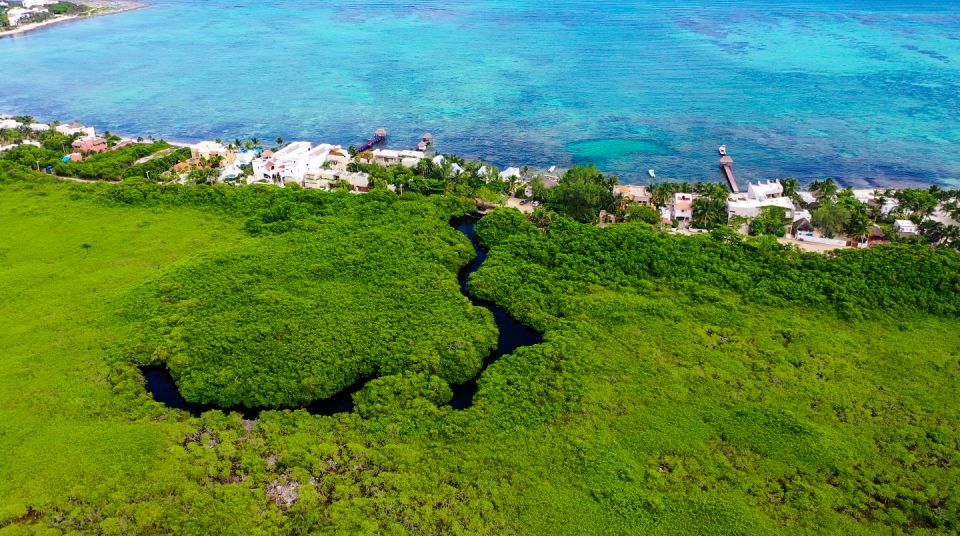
pixel 905 227
pixel 633 194
pixel 390 157
pixel 286 165
pixel 209 149
pixel 682 206
pixel 76 128
pixel 230 173
pixel 510 173
pixel 764 190
pixel 38 127
pixel 30 4
pixel 17 14
pixel 758 196
pixel 327 178
pixel 245 157
pixel 751 208
pixel 9 124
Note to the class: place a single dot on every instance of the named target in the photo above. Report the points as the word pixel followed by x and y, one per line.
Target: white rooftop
pixel 209 147
pixel 293 151
pixel 510 172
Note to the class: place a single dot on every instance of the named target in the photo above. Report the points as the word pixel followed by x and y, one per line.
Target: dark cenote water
pixel 512 335
pixel 866 91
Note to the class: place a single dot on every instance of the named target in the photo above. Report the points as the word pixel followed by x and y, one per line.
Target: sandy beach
pixel 99 8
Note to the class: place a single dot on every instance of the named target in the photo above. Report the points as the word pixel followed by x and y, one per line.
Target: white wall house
pixel 208 149
pixel 286 165
pixel 510 173
pixel 76 128
pixel 682 206
pixel 390 157
pixel 9 124
pixel 38 3
pixel 245 157
pixel 764 190
pixel 759 195
pixel 751 208
pixel 905 227
pixel 17 14
pixel 326 178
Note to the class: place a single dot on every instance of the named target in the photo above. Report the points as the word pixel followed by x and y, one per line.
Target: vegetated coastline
pixel 713 383
pixel 100 8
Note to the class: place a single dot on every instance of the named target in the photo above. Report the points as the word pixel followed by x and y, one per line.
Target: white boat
pixel 652 173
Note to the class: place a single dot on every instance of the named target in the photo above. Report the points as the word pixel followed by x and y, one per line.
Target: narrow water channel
pixel 512 335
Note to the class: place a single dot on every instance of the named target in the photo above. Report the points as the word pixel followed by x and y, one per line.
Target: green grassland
pixel 684 386
pixel 62 429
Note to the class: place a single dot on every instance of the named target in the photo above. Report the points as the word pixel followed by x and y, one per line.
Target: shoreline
pixel 99 9
pixel 856 183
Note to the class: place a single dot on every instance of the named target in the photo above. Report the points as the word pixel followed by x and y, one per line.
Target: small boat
pixel 723 150
pixel 652 173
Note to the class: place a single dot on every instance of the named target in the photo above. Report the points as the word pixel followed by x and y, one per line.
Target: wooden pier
pixel 379 137
pixel 726 164
pixel 425 142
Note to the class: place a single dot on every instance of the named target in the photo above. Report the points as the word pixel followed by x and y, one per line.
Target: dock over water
pixel 726 164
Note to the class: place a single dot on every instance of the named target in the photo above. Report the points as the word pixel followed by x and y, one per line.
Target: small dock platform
pixel 379 137
pixel 726 164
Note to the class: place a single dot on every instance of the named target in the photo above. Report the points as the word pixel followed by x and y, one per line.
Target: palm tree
pixel 825 189
pixel 256 141
pixel 280 142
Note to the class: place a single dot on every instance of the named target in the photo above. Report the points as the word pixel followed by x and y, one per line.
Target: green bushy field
pixel 701 386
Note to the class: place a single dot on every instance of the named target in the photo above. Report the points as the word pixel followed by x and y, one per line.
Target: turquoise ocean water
pixel 865 91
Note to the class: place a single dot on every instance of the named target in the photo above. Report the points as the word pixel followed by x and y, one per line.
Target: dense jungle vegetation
pixel 701 385
pixel 370 291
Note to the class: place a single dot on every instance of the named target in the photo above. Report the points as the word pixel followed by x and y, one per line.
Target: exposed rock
pixel 283 492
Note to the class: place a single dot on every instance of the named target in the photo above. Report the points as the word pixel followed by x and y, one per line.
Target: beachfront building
pixel 31 4
pixel 38 127
pixel 230 173
pixel 9 124
pixel 90 144
pixel 285 166
pixel 206 150
pixel 762 191
pixel 390 157
pixel 681 207
pixel 758 196
pixel 76 128
pixel 327 179
pixel 17 14
pixel 245 157
pixel 634 194
pixel 325 156
pixel 905 228
pixel 751 208
pixel 510 173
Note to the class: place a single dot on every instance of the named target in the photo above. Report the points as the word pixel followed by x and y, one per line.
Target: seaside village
pixel 17 13
pixel 326 167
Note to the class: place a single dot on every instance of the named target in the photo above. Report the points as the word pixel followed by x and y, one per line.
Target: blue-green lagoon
pixel 864 91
